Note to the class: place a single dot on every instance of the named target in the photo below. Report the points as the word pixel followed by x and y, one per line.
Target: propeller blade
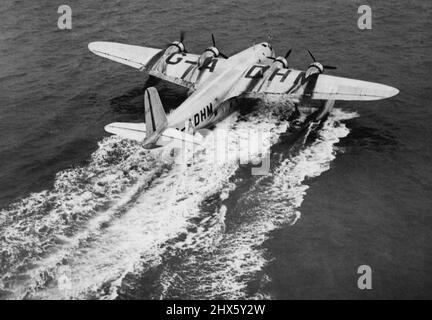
pixel 312 56
pixel 223 55
pixel 214 45
pixel 288 53
pixel 324 66
pixel 329 67
pixel 182 36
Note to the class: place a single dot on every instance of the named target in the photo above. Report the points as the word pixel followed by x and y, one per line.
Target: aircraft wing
pixel 338 88
pixel 179 68
pixel 293 84
pixel 134 56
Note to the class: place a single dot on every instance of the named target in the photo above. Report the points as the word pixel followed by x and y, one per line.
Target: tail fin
pixel 155 117
pixel 154 132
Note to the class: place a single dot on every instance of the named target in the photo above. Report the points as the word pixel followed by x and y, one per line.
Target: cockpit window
pixel 264 45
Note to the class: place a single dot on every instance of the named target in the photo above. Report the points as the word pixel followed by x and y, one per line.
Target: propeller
pixel 182 37
pixel 285 56
pixel 180 41
pixel 214 45
pixel 324 66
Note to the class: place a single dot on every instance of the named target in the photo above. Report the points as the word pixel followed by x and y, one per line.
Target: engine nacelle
pixel 175 47
pixel 314 68
pixel 207 56
pixel 281 62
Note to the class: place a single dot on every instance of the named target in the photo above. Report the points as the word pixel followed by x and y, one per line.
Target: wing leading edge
pixel 179 68
pixel 338 88
pixel 134 56
pixel 293 84
pixel 147 59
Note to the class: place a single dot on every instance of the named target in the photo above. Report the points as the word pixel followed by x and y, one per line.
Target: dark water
pixel 362 188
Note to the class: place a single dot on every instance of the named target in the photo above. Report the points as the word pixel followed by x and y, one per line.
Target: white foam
pixel 104 220
pixel 226 263
pixel 49 224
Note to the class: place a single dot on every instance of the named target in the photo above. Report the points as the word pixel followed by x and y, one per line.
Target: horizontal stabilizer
pixel 181 136
pixel 133 131
pixel 137 132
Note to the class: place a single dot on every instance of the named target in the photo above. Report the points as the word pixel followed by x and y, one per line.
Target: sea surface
pixel 86 215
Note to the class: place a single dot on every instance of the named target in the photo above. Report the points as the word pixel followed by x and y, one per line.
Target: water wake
pixel 223 257
pixel 136 223
pixel 48 224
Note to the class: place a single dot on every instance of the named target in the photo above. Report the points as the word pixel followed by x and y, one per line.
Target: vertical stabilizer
pixel 154 132
pixel 155 117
